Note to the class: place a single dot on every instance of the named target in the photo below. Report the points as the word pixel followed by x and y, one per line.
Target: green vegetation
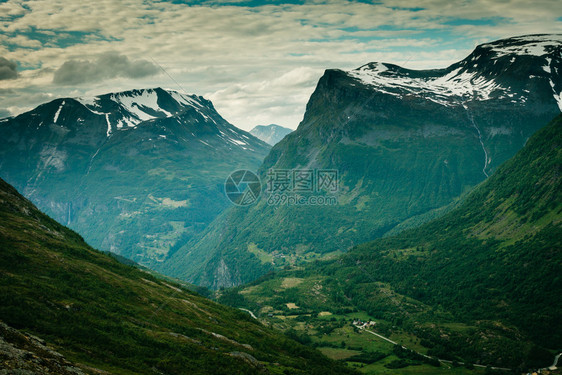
pixel 107 316
pixel 479 285
pixel 143 192
pixel 401 163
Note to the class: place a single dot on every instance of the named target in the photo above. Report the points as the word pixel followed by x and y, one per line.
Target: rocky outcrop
pixel 25 354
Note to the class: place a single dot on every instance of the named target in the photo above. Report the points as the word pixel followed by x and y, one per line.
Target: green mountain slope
pixel 480 284
pixel 498 256
pixel 405 143
pixel 137 173
pixel 106 316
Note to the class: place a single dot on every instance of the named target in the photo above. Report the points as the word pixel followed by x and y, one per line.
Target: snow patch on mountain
pixel 530 45
pixel 458 82
pixel 465 80
pixel 138 106
pixel 88 101
pixel 58 112
pixel 233 141
pixel 135 103
pixel 557 95
pixel 185 99
pixel 108 124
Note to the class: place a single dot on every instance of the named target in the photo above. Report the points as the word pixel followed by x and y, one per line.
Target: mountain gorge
pixel 410 225
pixel 405 145
pixel 137 173
pixel 479 285
pixel 58 295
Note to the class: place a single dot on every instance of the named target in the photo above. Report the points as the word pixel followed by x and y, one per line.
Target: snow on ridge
pixel 149 98
pixel 184 99
pixel 134 104
pixel 58 112
pixel 132 107
pixel 192 101
pixel 459 82
pixel 88 101
pixel 530 45
pixel 456 83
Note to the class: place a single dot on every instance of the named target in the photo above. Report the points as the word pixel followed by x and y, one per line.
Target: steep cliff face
pixel 405 143
pixel 496 257
pixel 137 172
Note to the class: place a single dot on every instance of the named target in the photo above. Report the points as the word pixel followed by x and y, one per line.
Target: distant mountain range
pixel 405 144
pixel 419 206
pixel 270 134
pixel 137 173
pixel 57 293
pixel 478 285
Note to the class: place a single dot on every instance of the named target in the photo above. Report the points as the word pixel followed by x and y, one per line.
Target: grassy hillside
pixel 498 256
pixel 480 285
pixel 103 315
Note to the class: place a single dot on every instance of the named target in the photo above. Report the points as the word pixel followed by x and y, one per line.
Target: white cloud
pixel 8 69
pixel 258 65
pixel 104 66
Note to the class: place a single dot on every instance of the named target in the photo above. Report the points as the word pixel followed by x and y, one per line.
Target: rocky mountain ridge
pixel 135 172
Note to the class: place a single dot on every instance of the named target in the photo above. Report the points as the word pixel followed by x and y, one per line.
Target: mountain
pixel 403 145
pixel 479 285
pixel 58 295
pixel 137 173
pixel 270 134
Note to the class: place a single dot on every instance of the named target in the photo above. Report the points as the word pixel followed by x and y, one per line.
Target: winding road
pixel 443 360
pixel 553 367
pixel 555 364
pixel 249 312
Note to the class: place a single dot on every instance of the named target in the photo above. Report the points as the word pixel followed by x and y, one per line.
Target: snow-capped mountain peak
pixel 141 105
pixel 530 45
pixel 270 134
pixel 396 81
pixel 505 69
pixel 128 109
pixel 156 116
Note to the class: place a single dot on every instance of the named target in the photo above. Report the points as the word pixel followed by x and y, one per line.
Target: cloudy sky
pixel 258 61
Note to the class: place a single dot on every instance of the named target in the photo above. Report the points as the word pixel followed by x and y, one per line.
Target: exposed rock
pixel 25 354
pixel 249 359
